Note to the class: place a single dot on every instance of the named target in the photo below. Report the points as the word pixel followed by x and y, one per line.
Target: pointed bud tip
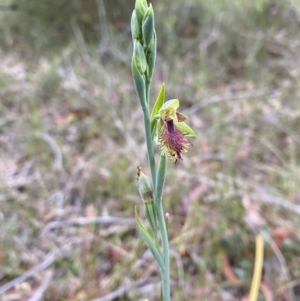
pixel 150 8
pixel 141 7
pixel 144 186
pixel 138 170
pixel 135 27
pixel 139 57
pixel 148 26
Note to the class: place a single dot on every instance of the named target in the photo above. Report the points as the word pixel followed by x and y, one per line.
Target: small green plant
pixel 164 126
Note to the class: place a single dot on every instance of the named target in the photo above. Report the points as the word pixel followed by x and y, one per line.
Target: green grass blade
pixel 149 241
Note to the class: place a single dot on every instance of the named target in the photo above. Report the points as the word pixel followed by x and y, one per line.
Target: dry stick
pixel 57 162
pixel 80 39
pixel 225 97
pixel 281 259
pixel 38 295
pixel 123 290
pixel 81 221
pixel 42 266
pixel 103 22
pixel 273 199
pixel 259 257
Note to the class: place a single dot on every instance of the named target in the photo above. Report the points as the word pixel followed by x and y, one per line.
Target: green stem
pixel 147 84
pixel 149 140
pixel 160 182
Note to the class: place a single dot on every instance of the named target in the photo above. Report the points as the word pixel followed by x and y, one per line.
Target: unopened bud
pixel 146 193
pixel 135 27
pixel 139 82
pixel 151 56
pixel 144 186
pixel 148 26
pixel 139 57
pixel 140 8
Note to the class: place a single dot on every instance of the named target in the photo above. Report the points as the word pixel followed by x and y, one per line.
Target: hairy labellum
pixel 173 142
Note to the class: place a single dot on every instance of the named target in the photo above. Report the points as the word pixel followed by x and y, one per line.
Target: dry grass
pixel 71 137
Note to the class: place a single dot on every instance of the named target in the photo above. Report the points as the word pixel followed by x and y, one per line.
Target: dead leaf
pixel 266 290
pixel 252 212
pixel 90 211
pixel 62 119
pixel 228 272
pixel 116 253
pixel 279 235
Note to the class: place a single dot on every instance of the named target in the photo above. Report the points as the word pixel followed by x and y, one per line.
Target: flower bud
pixel 146 193
pixel 139 82
pixel 144 186
pixel 135 27
pixel 148 26
pixel 139 56
pixel 151 56
pixel 140 8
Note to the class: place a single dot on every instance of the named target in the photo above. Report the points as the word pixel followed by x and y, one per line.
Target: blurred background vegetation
pixel 71 137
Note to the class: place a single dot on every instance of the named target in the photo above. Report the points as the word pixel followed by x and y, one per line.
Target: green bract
pixel 140 8
pixel 159 101
pixel 135 27
pixel 149 241
pixel 151 215
pixel 151 56
pixel 139 82
pixel 148 26
pixel 157 105
pixel 139 57
pixel 144 186
pixel 146 193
